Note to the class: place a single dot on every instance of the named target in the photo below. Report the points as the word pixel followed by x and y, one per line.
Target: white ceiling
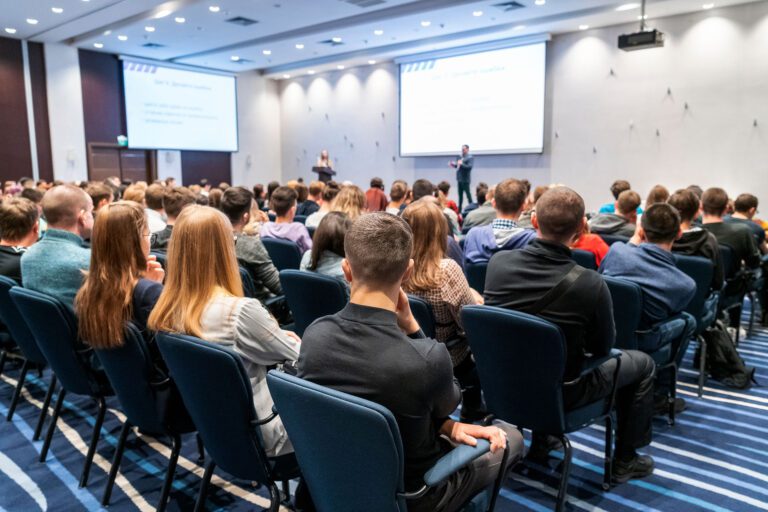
pixel 206 39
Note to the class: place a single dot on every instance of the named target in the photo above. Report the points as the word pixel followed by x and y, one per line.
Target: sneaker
pixel 639 466
pixel 661 405
pixel 541 446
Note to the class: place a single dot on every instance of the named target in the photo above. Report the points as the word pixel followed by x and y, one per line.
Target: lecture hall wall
pixel 609 113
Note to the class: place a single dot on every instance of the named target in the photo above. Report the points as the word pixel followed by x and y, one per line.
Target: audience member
pixel 271 187
pixel 237 204
pixel 441 282
pixel 617 187
pixel 375 349
pixel 375 198
pixel 136 194
pixel 621 223
pixel 170 182
pixel 696 241
pixel 312 203
pixel 101 195
pixel 328 246
pixel 55 264
pixel 36 196
pixel 19 227
pixel 302 194
pixel 737 236
pixel 480 191
pixel 583 310
pixel 591 243
pixel 259 195
pixel 283 203
pixel 330 192
pixel 223 185
pixel 525 218
pixel 745 208
pixel 482 215
pixel 214 197
pixel 351 200
pixel 449 213
pixel 154 210
pixel 503 233
pixel 397 195
pixel 658 194
pixel 445 188
pixel 123 282
pixel 212 307
pixel 174 201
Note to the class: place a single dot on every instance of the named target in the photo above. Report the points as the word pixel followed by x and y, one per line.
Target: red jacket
pixel 376 200
pixel 594 244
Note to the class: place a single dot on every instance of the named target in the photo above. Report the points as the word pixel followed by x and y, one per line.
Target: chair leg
pixel 608 463
pixel 200 503
pixel 672 395
pixel 274 498
pixel 3 356
pixel 52 426
pixel 94 442
pixel 499 480
pixel 702 364
pixel 115 463
pixel 44 409
pixel 17 392
pixel 562 493
pixel 170 474
pixel 752 305
pixel 200 450
pixel 740 309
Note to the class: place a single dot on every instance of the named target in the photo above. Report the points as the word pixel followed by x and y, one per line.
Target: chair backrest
pixel 162 258
pixel 730 266
pixel 311 296
pixel 311 230
pixel 610 239
pixel 129 370
pixel 55 330
pixel 283 253
pixel 10 316
pixel 217 393
pixel 521 362
pixel 584 258
pixel 272 217
pixel 422 312
pixel 701 270
pixel 627 298
pixel 300 219
pixel 249 288
pixel 475 273
pixel 348 448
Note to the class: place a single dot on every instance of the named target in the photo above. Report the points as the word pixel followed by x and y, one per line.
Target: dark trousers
pixel 634 398
pixel 464 189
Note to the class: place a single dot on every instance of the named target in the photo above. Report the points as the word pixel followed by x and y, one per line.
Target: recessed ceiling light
pixel 179 19
pixel 10 30
pixel 426 23
pixel 371 62
pixel 98 45
pixel 299 46
pixel 122 37
pixel 642 16
pixel 32 21
pixel 214 8
pixel 286 76
pixel 267 52
pixel 705 6
pixel 378 32
pixel 540 2
pixel 162 14
pixel 477 13
pixel 57 10
pixel 336 39
pixel 149 28
pixel 519 27
pixel 107 32
pixel 627 7
pixel 311 72
pixel 340 67
pixel 583 27
pixel 234 58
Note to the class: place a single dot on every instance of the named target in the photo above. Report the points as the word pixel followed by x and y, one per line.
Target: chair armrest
pixel 593 362
pixel 454 460
pixel 274 300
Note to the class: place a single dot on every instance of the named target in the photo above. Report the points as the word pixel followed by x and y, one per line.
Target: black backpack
pixel 723 361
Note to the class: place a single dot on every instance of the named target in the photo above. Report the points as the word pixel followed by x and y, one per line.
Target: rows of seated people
pixel 99 253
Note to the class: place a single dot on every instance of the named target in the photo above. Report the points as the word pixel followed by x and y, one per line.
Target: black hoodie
pixel 700 242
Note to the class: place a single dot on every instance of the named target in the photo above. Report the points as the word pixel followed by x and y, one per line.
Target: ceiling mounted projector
pixel 643 39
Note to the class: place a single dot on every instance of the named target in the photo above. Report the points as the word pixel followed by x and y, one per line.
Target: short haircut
pixel 377 183
pixel 422 188
pixel 176 199
pixel 316 188
pixel 62 205
pixel 398 191
pixel 154 196
pixel 236 202
pixel 330 191
pixel 17 218
pixel 32 194
pixel 661 223
pixel 258 189
pixel 628 202
pixel 743 203
pixel 510 196
pixel 560 213
pixel 134 193
pixel 481 191
pixel 302 192
pixel 378 248
pixel 99 192
pixel 444 187
pixel 687 204
pixel 538 192
pixel 465 146
pixel 214 197
pixel 714 201
pixel 271 187
pixel 618 187
pixel 658 194
pixel 282 200
pixel 696 190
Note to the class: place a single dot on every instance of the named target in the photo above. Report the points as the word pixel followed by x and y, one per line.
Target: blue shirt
pixel 55 265
pixel 502 234
pixel 611 208
pixel 667 290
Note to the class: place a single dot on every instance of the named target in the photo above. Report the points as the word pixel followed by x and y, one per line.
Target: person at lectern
pixel 324 167
pixel 324 160
pixel 463 168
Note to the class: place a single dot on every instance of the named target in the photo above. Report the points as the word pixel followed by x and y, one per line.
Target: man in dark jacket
pixel 621 223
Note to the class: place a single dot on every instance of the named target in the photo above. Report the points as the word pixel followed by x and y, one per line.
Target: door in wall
pixel 105 160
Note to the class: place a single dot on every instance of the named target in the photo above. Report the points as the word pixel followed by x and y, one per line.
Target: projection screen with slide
pixel 492 100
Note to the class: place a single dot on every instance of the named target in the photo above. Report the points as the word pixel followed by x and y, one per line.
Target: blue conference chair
pixel 311 230
pixel 475 273
pixel 611 239
pixel 33 358
pixel 703 306
pixel 665 342
pixel 272 217
pixel 162 259
pixel 311 296
pixel 217 393
pixel 283 253
pixel 249 288
pixel 521 361
pixel 422 312
pixel 139 386
pixel 584 258
pixel 55 330
pixel 739 282
pixel 350 450
pixel 301 219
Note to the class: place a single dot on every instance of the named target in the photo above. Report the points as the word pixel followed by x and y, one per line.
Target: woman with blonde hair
pixel 123 282
pixel 351 200
pixel 203 297
pixel 440 281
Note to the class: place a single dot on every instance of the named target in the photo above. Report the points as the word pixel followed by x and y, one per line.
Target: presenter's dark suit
pixel 464 177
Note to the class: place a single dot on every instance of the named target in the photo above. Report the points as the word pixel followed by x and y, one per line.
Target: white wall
pixel 258 117
pixel 65 112
pixel 713 60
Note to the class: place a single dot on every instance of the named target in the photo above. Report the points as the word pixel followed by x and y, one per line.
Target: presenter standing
pixel 463 168
pixel 324 167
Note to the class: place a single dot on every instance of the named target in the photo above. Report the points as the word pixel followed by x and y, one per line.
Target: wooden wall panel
pixel 103 106
pixel 15 157
pixel 212 165
pixel 40 106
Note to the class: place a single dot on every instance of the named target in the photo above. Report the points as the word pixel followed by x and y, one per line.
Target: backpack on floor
pixel 723 361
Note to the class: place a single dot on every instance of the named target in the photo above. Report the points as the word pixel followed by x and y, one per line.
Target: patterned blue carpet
pixel 715 458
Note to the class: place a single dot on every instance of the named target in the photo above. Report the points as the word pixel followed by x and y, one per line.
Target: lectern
pixel 324 174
